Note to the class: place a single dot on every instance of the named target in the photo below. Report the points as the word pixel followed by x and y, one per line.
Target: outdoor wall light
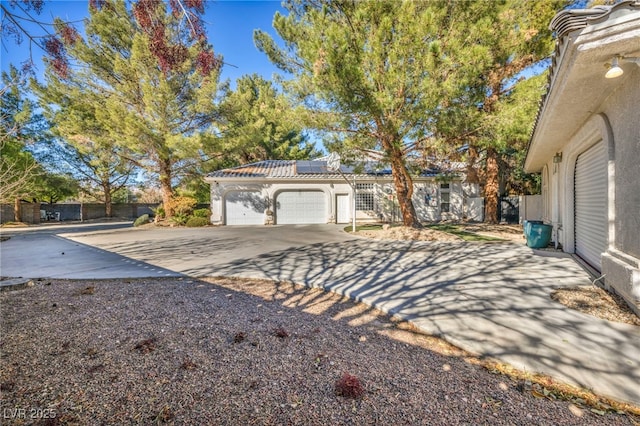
pixel 615 70
pixel 557 158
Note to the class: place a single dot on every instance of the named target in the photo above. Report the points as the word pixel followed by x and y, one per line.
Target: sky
pixel 229 25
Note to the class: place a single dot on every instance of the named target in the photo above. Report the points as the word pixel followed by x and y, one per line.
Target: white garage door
pixel 244 208
pixel 590 207
pixel 300 207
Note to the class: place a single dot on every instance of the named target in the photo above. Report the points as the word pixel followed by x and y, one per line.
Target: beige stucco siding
pixel 623 111
pixel 426 198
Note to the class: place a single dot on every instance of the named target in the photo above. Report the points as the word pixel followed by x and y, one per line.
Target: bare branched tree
pixel 18 169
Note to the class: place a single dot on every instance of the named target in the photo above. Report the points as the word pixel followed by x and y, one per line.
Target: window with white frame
pixel 365 197
pixel 445 198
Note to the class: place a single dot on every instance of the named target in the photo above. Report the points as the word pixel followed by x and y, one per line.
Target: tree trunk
pixel 166 188
pixel 472 171
pixel 491 188
pixel 404 185
pixel 17 211
pixel 108 207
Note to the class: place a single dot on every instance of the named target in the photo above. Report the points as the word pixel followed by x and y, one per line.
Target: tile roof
pixel 570 20
pixel 317 169
pixel 268 168
pixel 282 169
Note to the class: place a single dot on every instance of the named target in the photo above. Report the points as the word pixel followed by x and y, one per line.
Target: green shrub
pixel 141 220
pixel 195 222
pixel 180 218
pixel 201 213
pixel 159 211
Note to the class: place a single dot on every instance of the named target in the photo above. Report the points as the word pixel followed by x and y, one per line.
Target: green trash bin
pixel 526 226
pixel 539 235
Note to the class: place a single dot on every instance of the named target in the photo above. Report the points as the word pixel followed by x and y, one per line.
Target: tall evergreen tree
pixel 258 123
pixel 511 126
pixel 502 39
pixel 148 79
pixel 56 187
pixel 80 144
pixel 404 75
pixel 370 72
pixel 99 168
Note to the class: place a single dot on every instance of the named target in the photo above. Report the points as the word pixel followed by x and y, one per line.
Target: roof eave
pixel 577 86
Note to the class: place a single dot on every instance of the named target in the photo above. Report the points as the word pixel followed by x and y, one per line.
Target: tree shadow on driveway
pixel 491 299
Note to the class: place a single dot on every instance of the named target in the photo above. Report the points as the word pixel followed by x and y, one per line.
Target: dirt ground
pixel 505 232
pixel 501 231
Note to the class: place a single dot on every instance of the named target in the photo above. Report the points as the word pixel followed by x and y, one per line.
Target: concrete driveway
pixel 491 299
pixel 40 252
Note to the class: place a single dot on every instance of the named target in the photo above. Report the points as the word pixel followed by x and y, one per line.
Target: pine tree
pixel 148 79
pixel 501 39
pixel 367 71
pixel 258 123
pixel 403 75
pixel 80 144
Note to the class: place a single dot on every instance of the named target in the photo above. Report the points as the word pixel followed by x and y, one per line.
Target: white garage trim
pixel 301 207
pixel 590 204
pixel 244 208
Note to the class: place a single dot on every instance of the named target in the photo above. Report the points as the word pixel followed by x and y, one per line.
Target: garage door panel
pixel 245 208
pixel 300 207
pixel 590 207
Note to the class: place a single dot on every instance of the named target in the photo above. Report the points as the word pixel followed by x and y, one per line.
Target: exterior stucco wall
pixel 621 262
pixel 623 112
pixel 617 124
pixel 553 194
pixel 581 108
pixel 426 198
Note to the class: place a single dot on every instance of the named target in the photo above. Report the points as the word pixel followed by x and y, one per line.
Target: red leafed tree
pixel 16 17
pixel 169 53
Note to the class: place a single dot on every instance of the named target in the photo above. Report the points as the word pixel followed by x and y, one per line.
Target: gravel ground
pixel 505 232
pixel 409 234
pixel 598 302
pixel 238 352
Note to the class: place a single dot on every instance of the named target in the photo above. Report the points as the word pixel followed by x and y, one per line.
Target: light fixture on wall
pixel 557 158
pixel 614 68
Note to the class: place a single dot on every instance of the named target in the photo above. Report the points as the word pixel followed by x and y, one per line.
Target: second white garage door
pixel 591 204
pixel 301 207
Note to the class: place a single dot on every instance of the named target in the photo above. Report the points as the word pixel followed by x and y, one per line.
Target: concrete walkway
pixel 491 299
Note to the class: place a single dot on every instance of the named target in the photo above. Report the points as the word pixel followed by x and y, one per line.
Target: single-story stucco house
pixel 306 192
pixel 586 142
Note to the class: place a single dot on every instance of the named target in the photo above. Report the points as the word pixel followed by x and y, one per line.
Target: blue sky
pixel 229 24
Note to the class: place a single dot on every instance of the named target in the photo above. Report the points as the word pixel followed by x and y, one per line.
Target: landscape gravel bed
pixel 238 352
